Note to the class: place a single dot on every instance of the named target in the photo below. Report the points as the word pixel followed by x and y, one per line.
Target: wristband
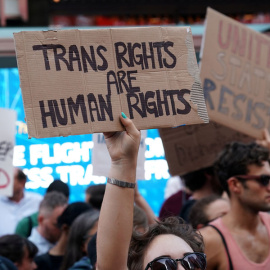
pixel 120 183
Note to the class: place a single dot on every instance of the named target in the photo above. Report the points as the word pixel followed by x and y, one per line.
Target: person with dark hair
pixel 82 230
pixel 241 238
pixel 6 264
pixel 21 204
pixel 207 209
pixel 47 233
pixel 94 195
pixel 19 250
pixel 25 225
pixel 168 245
pixel 53 258
pixel 200 183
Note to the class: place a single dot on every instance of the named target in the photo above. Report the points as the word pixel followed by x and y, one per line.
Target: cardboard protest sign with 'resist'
pixel 79 81
pixel 190 148
pixel 7 140
pixel 235 70
pixel 101 158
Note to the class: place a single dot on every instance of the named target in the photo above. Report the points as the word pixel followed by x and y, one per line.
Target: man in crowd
pixel 19 205
pixel 47 233
pixel 241 238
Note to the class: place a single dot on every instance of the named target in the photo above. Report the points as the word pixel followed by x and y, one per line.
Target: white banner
pixel 101 159
pixel 7 140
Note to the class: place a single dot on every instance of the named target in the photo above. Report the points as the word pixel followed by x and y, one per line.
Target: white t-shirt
pixel 43 245
pixel 12 212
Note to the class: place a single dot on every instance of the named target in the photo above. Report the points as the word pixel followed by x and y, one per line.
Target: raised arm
pixel 116 216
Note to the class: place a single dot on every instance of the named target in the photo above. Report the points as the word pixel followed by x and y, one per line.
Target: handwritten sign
pixel 79 81
pixel 7 140
pixel 190 148
pixel 235 70
pixel 101 159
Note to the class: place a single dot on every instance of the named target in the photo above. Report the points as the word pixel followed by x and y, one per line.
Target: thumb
pixel 129 125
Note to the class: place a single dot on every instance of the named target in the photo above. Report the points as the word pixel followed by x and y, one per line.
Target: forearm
pixel 116 220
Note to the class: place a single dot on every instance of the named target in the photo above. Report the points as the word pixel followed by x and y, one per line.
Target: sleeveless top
pixel 237 260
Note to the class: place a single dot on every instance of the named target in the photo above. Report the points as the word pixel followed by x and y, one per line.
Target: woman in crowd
pixel 168 245
pixel 81 232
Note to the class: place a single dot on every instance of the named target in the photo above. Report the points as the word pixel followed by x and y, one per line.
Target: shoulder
pixel 33 196
pixel 214 248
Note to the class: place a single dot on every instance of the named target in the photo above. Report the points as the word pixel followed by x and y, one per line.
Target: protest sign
pixel 235 65
pixel 190 148
pixel 79 81
pixel 101 160
pixel 7 140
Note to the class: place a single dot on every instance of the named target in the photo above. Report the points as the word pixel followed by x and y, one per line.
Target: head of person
pixel 19 250
pixel 197 180
pixel 140 222
pixel 51 207
pixel 60 186
pixel 71 212
pixel 243 171
pixel 207 209
pixel 18 184
pixel 94 195
pixel 164 241
pixel 81 231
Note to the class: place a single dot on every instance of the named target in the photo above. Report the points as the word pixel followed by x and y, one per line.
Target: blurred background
pixel 39 158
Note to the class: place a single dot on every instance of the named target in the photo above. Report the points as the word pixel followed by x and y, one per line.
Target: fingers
pixel 129 125
pixel 108 135
pixel 266 135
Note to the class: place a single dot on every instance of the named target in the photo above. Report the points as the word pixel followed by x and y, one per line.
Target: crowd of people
pixel 218 220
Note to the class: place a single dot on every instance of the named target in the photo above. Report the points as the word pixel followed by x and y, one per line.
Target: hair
pixel 96 193
pixel 235 159
pixel 12 246
pixel 198 214
pixel 171 225
pixel 139 218
pixel 196 180
pixel 60 186
pixel 72 211
pixel 52 200
pixel 21 175
pixel 77 236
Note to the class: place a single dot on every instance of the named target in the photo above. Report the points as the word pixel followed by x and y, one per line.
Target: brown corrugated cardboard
pixel 235 69
pixel 79 81
pixel 190 148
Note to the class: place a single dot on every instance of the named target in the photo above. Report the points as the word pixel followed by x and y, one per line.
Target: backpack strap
pixel 30 226
pixel 225 245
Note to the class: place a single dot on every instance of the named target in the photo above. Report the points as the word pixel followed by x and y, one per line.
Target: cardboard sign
pixel 235 70
pixel 7 140
pixel 79 81
pixel 101 159
pixel 190 148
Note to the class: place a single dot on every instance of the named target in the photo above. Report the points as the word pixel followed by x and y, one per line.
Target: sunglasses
pixel 263 179
pixel 191 261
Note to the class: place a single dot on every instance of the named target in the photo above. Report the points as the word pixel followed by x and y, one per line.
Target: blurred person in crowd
pixel 94 195
pixel 166 245
pixel 201 183
pixel 6 264
pixel 47 233
pixel 173 185
pixel 21 204
pixel 208 209
pixel 19 250
pixel 53 258
pixel 140 221
pixel 241 238
pixel 24 227
pixel 82 230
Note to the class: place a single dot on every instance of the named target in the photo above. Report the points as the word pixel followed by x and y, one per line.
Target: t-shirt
pixel 12 212
pixel 48 262
pixel 42 244
pixel 25 225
